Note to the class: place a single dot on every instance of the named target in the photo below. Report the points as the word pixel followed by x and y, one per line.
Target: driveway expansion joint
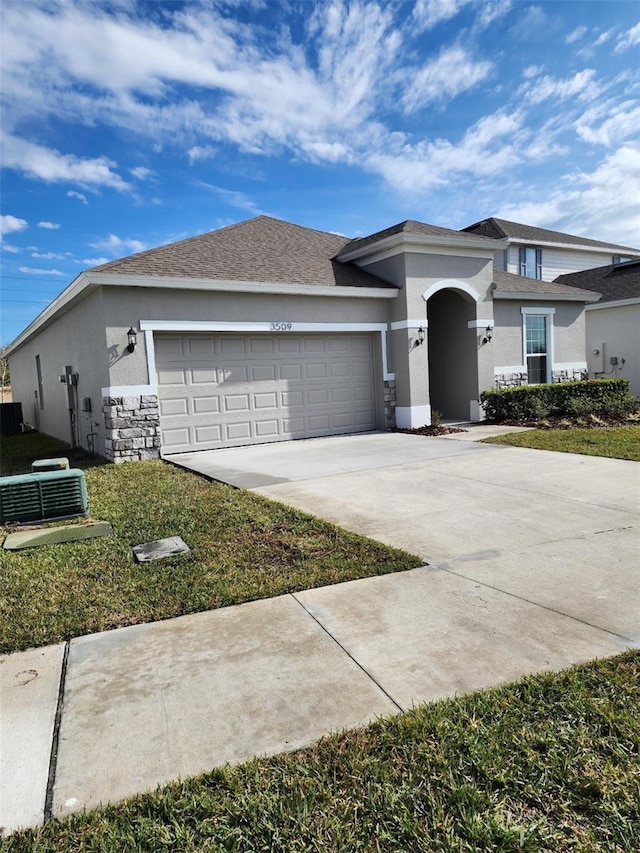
pixel 349 655
pixel 55 739
pixel 445 568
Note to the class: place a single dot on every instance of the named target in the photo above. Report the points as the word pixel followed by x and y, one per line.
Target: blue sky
pixel 127 125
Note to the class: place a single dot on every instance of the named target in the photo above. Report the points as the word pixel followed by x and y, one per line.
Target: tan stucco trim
pixel 617 303
pixel 403 242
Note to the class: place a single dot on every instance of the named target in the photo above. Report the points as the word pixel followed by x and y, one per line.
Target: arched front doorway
pixel 453 352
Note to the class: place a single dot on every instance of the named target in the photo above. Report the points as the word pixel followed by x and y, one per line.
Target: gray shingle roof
pixel 409 226
pixel 261 249
pixel 508 282
pixel 499 228
pixel 616 281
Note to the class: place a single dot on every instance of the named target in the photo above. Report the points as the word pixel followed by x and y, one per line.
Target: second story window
pixel 530 262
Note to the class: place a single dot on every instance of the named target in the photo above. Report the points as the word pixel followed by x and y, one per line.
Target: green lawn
pixel 620 442
pixel 547 764
pixel 244 547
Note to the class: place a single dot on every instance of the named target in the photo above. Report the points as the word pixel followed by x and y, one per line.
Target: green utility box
pixel 43 496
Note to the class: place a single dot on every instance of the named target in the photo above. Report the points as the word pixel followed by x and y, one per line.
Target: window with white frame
pixel 530 262
pixel 537 329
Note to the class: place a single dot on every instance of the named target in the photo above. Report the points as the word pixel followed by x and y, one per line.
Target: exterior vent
pixel 45 496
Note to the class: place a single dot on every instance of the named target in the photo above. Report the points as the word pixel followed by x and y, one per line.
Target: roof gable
pixel 508 282
pixel 409 226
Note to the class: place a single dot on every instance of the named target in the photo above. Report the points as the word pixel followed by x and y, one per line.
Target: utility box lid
pixel 59 464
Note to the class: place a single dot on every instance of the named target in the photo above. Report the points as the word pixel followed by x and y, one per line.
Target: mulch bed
pixel 432 430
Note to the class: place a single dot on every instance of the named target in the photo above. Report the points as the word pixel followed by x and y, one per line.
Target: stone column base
pixel 132 426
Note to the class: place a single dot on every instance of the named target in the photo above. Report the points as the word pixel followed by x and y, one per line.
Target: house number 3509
pixel 280 327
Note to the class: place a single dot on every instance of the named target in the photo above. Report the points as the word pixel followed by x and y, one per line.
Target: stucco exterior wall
pixel 125 307
pixel 615 331
pixel 77 339
pixel 568 341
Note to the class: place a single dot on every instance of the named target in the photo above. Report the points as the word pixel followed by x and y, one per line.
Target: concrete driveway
pixel 557 530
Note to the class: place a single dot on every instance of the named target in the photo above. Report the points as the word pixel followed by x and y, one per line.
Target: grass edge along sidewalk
pixel 549 762
pixel 244 547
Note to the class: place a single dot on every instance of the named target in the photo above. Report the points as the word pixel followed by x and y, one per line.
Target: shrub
pixel 532 402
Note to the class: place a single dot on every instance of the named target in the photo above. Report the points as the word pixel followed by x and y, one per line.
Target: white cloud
pixel 576 35
pixel 7 247
pixel 428 13
pixel 51 256
pixel 49 165
pixel 609 124
pixel 200 152
pixel 37 271
pixel 141 173
pixel 602 204
pixel 12 224
pixel 93 262
pixel 491 10
pixel 532 71
pixel 80 196
pixel 602 38
pixel 452 72
pixel 581 85
pixel 628 39
pixel 118 244
pixel 232 197
pixel 50 226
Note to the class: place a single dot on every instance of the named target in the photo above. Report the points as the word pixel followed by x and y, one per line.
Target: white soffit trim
pixel 128 390
pixel 480 324
pixel 409 324
pixel 557 297
pixel 618 303
pixel 451 284
pixel 269 328
pixel 576 247
pixel 227 286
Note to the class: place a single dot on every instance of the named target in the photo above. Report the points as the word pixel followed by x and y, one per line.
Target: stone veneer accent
pixel 511 380
pixel 132 428
pixel 569 375
pixel 390 403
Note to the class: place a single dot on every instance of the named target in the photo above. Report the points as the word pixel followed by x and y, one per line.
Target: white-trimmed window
pixel 530 262
pixel 537 335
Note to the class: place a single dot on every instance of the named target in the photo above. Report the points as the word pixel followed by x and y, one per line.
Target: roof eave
pixel 540 296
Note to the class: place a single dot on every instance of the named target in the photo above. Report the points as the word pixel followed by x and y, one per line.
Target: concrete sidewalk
pixel 144 705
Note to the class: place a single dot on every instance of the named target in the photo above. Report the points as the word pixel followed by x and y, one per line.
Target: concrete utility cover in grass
pixel 55 535
pixel 160 548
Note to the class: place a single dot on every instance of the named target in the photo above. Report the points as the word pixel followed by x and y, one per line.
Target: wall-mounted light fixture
pixel 420 336
pixel 488 335
pixel 132 337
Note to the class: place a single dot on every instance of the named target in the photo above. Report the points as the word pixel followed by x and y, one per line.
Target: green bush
pixel 560 399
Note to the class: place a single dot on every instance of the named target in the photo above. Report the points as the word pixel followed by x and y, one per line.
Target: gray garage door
pixel 230 390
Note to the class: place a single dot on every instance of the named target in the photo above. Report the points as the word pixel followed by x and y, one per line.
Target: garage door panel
pixel 223 391
pixel 204 405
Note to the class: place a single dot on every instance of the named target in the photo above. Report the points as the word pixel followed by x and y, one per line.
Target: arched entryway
pixel 452 351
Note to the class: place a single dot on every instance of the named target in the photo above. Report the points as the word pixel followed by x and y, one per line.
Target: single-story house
pixel 267 331
pixel 612 323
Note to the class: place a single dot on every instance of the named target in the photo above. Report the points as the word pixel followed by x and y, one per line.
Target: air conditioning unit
pixel 43 496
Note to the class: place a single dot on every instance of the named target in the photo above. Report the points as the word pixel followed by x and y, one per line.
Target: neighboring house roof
pixel 614 282
pixel 517 231
pixel 409 226
pixel 261 250
pixel 507 283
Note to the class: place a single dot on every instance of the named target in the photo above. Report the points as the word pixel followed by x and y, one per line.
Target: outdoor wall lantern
pixel 132 336
pixel 488 335
pixel 420 336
